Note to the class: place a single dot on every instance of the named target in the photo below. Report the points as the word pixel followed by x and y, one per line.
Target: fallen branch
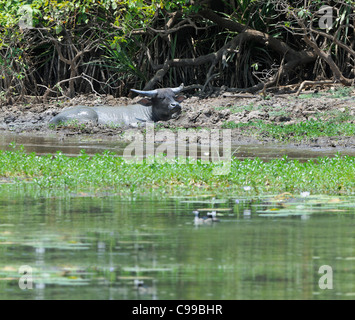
pixel 234 95
pixel 313 83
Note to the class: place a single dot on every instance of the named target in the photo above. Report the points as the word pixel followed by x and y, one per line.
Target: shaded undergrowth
pixel 55 48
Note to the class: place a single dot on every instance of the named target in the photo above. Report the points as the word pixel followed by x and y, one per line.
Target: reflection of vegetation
pixel 60 174
pixel 109 248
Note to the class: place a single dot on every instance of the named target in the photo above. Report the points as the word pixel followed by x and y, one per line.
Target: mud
pixel 31 118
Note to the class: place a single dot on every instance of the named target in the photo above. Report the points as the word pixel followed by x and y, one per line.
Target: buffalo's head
pixel 163 101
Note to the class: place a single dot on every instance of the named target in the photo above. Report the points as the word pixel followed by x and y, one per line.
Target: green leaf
pixel 58 29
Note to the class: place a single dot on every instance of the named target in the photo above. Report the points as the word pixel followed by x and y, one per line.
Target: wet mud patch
pixel 225 111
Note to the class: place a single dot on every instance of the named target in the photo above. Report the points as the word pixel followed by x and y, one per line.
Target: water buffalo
pixel 161 105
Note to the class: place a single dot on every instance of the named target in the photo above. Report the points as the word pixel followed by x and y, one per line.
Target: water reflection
pixel 111 248
pixel 73 145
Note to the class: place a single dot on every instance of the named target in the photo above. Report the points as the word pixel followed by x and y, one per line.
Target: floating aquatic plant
pixel 108 173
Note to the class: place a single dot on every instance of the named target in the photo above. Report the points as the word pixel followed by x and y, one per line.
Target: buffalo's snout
pixel 175 107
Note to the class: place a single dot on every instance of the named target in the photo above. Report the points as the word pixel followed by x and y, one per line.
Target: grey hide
pixel 161 105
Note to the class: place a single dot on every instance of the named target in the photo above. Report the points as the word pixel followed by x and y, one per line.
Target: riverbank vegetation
pixel 106 173
pixel 303 131
pixel 56 48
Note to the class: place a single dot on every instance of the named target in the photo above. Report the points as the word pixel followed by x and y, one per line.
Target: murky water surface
pixel 83 247
pixel 113 248
pixel 72 146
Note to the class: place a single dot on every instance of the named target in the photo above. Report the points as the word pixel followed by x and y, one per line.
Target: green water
pixel 113 248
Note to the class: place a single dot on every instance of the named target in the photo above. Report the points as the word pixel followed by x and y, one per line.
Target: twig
pixel 85 77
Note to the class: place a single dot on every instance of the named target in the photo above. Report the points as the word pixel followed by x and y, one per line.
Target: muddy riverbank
pixel 225 111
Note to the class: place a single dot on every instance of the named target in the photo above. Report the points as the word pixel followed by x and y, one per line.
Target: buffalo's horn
pixel 149 93
pixel 178 89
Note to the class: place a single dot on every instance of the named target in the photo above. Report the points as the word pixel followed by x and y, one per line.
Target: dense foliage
pixel 54 47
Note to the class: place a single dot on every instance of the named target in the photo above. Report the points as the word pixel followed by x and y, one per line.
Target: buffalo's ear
pixel 180 98
pixel 145 102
